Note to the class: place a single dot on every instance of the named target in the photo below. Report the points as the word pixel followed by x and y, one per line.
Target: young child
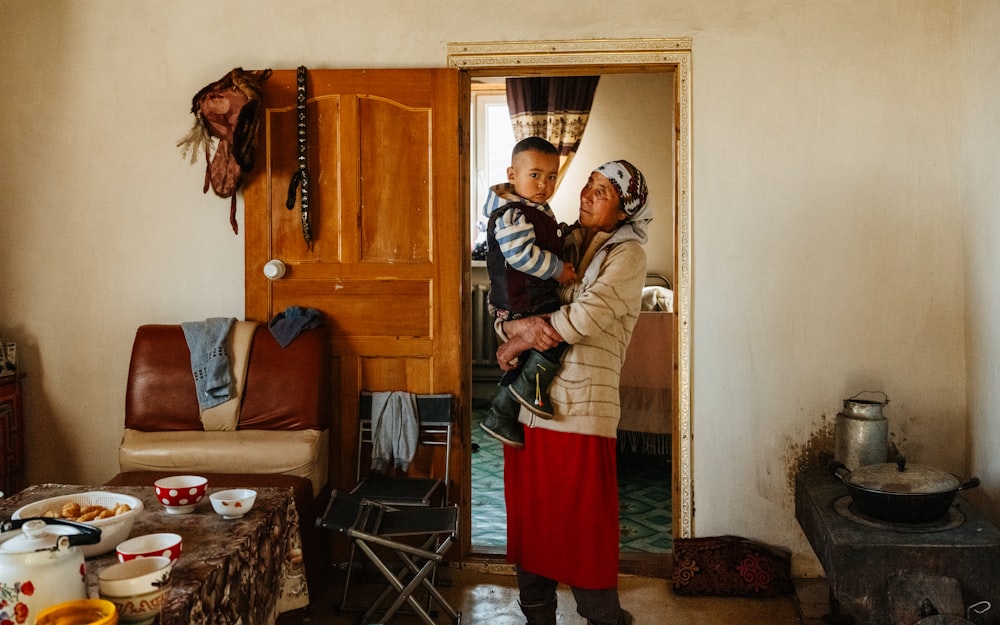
pixel 524 245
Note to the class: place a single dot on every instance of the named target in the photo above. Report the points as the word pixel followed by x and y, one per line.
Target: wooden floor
pixel 490 598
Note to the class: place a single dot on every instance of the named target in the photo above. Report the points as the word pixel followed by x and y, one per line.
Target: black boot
pixel 624 618
pixel 531 388
pixel 540 613
pixel 501 422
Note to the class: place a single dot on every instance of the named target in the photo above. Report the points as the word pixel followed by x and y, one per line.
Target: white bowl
pixel 113 529
pixel 139 609
pixel 233 503
pixel 179 494
pixel 162 544
pixel 134 577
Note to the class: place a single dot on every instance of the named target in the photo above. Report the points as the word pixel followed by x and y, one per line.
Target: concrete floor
pixel 490 597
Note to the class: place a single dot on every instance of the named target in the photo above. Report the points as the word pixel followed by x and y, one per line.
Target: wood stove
pixel 860 555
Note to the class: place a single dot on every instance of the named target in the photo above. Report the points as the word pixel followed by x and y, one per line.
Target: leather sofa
pixel 278 429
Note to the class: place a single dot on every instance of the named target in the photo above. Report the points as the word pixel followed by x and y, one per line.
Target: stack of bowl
pixel 137 588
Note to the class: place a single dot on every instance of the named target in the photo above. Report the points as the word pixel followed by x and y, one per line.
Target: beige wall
pixel 844 155
pixel 632 119
pixel 980 155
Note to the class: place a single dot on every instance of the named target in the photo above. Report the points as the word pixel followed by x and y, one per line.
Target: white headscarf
pixel 630 185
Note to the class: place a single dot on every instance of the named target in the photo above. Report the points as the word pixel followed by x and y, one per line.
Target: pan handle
pixel 972 483
pixel 839 469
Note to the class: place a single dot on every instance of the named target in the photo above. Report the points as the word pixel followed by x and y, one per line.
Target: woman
pixel 561 489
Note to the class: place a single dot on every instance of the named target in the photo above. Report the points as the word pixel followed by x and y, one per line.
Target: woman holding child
pixel 561 489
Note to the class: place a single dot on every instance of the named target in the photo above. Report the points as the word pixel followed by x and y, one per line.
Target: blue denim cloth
pixel 207 342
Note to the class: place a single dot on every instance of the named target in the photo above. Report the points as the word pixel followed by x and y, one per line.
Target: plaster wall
pixel 831 142
pixel 980 115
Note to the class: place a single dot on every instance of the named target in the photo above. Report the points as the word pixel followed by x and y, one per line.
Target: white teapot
pixel 40 565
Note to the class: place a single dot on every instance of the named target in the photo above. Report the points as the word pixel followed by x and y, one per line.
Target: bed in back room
pixel 648 372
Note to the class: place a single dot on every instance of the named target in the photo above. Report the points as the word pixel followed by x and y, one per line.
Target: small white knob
pixel 274 269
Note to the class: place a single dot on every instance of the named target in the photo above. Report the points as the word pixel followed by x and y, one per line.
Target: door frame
pixel 521 58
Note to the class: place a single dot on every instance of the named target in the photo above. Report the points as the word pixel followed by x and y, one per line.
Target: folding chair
pixel 435 415
pixel 370 525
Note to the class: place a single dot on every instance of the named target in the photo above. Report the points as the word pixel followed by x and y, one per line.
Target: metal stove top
pixel 859 557
pixel 846 508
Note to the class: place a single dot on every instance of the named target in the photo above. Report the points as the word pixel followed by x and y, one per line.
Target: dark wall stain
pixel 817 452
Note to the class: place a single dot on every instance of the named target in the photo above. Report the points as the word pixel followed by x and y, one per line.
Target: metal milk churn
pixel 861 432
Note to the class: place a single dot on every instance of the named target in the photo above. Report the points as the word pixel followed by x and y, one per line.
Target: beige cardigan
pixel 597 323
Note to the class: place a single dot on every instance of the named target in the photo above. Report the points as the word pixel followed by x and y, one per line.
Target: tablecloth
pixel 242 571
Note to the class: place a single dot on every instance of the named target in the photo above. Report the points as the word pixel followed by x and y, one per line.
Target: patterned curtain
pixel 555 108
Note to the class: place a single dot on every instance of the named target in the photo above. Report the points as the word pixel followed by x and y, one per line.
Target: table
pixel 243 571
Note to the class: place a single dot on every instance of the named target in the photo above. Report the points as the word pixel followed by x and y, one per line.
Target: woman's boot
pixel 531 388
pixel 540 613
pixel 624 618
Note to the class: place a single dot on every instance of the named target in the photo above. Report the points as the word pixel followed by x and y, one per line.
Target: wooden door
pixel 389 231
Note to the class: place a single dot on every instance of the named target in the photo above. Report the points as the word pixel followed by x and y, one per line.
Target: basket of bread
pixel 113 513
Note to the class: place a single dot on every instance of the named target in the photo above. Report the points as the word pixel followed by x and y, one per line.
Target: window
pixel 492 139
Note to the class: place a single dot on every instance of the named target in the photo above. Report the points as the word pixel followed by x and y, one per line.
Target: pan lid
pixel 902 478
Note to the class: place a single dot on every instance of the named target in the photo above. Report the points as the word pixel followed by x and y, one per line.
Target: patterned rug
pixel 643 492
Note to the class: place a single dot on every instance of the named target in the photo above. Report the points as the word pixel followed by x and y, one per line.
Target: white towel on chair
pixel 394 430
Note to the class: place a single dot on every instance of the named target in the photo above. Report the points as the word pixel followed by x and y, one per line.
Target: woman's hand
pixel 508 353
pixel 535 332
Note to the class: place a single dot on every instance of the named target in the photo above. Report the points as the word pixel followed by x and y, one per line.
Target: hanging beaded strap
pixel 301 177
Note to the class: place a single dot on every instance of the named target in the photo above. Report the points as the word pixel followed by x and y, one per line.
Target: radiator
pixel 484 339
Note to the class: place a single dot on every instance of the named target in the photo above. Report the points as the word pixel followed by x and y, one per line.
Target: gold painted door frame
pixel 520 58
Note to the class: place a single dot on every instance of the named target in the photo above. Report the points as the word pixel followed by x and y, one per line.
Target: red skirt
pixel 562 507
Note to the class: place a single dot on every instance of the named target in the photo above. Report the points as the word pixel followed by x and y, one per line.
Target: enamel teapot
pixel 40 565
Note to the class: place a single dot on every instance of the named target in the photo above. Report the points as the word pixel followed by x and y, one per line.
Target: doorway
pixel 622 61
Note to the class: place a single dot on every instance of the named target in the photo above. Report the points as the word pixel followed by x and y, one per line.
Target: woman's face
pixel 600 208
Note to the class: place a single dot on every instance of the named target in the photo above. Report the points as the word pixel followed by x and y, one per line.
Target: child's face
pixel 533 175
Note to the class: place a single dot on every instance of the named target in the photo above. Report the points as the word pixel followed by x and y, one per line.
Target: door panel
pixel 395 209
pixel 389 237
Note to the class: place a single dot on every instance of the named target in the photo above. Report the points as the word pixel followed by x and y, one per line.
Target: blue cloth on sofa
pixel 207 342
pixel 287 325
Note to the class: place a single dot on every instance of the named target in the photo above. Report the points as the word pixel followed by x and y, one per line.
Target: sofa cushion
pixel 285 388
pixel 288 388
pixel 160 394
pixel 302 453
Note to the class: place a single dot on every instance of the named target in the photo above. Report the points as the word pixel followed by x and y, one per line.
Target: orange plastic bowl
pixel 79 612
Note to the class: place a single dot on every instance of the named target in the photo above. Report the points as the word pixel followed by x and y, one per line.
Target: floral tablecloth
pixel 242 571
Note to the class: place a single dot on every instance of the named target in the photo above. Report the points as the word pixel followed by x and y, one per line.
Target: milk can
pixel 861 433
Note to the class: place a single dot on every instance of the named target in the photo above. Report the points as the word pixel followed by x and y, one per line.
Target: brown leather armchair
pixel 278 434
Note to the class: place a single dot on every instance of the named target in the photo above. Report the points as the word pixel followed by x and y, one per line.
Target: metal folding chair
pixel 374 527
pixel 435 415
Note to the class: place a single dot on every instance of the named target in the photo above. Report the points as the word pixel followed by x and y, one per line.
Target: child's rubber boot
pixel 531 388
pixel 501 421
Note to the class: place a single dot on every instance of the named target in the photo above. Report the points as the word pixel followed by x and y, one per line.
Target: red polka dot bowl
pixel 179 494
pixel 165 545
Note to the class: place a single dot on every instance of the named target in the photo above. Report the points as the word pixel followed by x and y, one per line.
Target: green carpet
pixel 643 496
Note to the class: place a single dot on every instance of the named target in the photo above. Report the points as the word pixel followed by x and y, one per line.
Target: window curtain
pixel 555 108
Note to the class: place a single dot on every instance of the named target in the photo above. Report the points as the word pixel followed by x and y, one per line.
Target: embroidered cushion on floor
pixel 730 566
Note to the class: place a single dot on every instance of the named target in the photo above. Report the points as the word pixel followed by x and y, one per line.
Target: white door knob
pixel 274 269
